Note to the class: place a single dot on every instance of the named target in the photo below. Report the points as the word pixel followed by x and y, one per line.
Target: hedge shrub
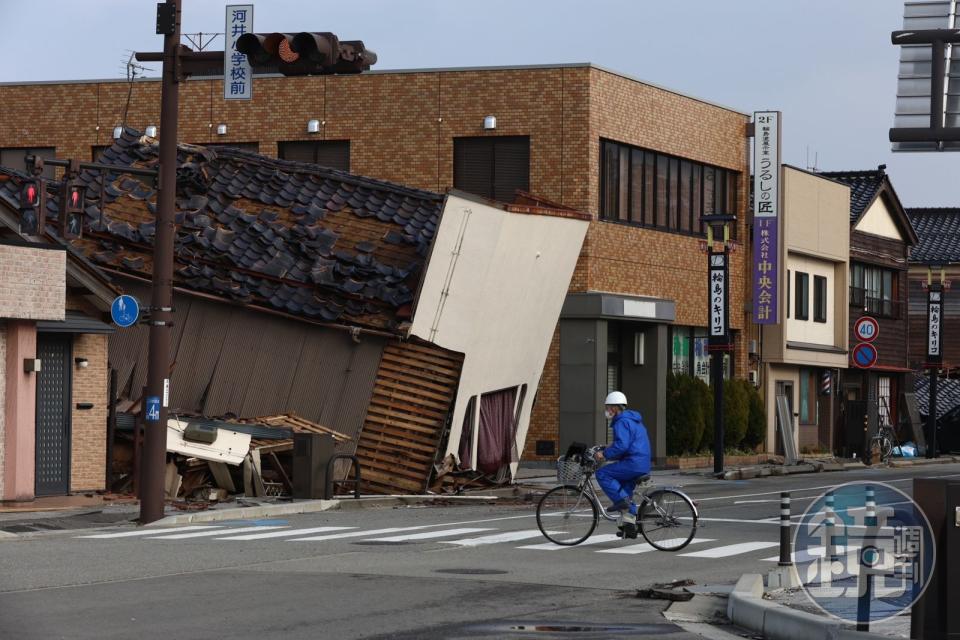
pixel 685 420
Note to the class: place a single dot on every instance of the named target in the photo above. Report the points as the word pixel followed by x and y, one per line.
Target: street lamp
pixel 718 313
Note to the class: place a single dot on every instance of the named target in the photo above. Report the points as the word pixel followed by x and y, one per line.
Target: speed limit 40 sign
pixel 866 329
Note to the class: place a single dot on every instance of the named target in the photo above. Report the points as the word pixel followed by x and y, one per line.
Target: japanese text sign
pixel 237 75
pixel 934 325
pixel 717 298
pixel 766 216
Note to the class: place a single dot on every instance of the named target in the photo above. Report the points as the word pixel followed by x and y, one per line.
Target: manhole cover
pixel 473 572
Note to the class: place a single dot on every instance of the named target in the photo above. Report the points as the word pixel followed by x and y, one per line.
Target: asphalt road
pixel 449 571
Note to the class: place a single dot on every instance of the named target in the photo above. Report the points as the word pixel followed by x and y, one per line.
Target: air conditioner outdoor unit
pixel 753 347
pixel 753 377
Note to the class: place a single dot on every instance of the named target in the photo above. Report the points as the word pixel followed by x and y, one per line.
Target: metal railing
pixel 883 307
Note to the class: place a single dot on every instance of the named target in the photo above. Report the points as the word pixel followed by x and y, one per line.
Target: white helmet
pixel 616 397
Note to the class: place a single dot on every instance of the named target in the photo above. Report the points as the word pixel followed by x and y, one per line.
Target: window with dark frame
pixel 660 191
pixel 334 154
pixel 496 167
pixel 819 299
pixel 801 303
pixel 872 289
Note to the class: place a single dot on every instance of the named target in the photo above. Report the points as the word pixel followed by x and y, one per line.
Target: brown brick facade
pixel 401 127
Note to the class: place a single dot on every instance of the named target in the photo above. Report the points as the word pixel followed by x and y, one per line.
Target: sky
pixel 828 65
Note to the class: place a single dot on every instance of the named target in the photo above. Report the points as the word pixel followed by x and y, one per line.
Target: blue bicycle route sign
pixel 124 311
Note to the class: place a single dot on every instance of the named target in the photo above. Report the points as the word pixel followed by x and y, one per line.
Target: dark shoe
pixel 629 525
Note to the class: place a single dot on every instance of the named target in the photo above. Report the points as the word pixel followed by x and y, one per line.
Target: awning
pixel 74 322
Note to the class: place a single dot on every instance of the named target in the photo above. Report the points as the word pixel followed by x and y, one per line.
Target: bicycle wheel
pixel 886 448
pixel 566 515
pixel 667 519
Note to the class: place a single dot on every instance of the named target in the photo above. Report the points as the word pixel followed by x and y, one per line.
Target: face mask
pixel 609 413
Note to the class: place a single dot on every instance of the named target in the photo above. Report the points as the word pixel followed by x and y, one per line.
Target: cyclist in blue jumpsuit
pixel 630 459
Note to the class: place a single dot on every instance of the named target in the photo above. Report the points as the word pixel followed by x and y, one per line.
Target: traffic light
pixel 306 53
pixel 72 201
pixel 33 210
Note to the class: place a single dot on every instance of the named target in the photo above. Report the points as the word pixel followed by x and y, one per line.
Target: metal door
pixel 783 388
pixel 53 414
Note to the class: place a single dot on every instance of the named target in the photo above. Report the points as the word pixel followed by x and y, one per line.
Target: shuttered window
pixel 492 167
pixel 328 153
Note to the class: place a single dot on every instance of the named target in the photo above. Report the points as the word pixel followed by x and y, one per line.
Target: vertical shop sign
pixel 766 216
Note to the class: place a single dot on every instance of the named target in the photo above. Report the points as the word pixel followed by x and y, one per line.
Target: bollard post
pixel 786 557
pixel 864 575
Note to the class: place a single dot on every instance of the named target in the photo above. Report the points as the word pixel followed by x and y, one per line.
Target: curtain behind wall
pixel 495 439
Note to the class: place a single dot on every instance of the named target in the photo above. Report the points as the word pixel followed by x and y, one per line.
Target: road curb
pixel 310 506
pixel 746 608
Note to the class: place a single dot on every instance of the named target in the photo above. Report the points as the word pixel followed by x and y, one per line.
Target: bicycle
pixel 883 442
pixel 569 513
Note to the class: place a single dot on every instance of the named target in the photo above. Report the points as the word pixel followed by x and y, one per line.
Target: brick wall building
pixel 639 291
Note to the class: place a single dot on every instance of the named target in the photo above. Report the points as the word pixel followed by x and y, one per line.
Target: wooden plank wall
pixel 413 393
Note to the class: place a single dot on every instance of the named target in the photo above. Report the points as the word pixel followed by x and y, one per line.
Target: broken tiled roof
pixel 301 239
pixel 948 394
pixel 938 230
pixel 864 186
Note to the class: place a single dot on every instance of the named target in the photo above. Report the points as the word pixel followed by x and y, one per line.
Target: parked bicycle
pixel 883 442
pixel 569 513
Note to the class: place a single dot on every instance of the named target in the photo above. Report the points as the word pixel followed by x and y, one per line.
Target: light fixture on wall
pixel 490 122
pixel 81 363
pixel 221 129
pixel 117 132
pixel 151 131
pixel 638 344
pixel 313 125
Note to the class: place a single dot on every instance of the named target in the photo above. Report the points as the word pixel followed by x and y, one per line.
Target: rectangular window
pixel 673 200
pixel 802 302
pixel 658 190
pixel 334 154
pixel 497 167
pixel 808 396
pixel 609 178
pixel 663 173
pixel 788 293
pixel 649 188
pixel 623 198
pixel 819 299
pixel 685 210
pixel 872 289
pixel 636 186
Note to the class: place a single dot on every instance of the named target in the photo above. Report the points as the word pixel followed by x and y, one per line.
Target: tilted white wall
pixel 493 291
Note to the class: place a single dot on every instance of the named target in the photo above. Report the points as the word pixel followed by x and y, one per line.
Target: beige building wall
pixel 32 282
pixel 815 239
pixel 877 221
pixel 493 289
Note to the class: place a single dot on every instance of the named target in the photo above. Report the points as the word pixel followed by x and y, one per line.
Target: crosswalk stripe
pixel 203 534
pixel 550 546
pixel 360 534
pixel 510 536
pixel 281 534
pixel 431 534
pixel 730 550
pixel 646 547
pixel 149 532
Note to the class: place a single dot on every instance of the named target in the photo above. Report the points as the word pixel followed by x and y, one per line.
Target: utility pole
pixel 718 313
pixel 161 301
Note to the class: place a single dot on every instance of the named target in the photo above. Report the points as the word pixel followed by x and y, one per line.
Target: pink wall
pixel 20 412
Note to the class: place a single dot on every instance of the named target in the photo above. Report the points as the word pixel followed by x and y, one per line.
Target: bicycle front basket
pixel 569 470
